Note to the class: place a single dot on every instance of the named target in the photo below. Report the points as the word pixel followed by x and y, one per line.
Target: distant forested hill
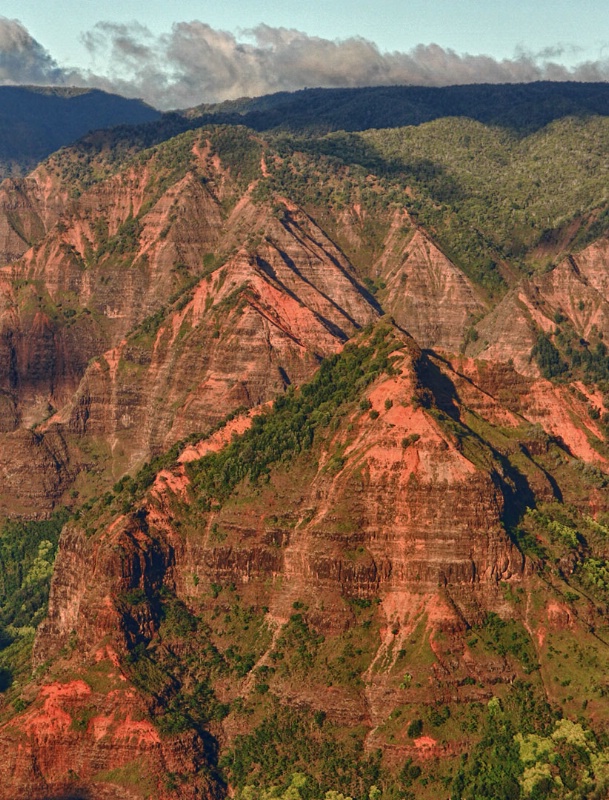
pixel 521 107
pixel 36 121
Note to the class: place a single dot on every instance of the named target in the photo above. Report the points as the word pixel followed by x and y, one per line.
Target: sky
pixel 182 53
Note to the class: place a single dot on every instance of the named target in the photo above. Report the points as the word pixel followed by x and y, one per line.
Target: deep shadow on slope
pixel 523 108
pixel 35 121
pixel 514 482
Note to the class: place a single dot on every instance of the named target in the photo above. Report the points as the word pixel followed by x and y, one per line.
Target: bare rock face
pixel 75 741
pixel 575 291
pixel 509 332
pixel 420 514
pixel 124 253
pixel 96 275
pixel 35 469
pixel 29 207
pixel 93 733
pixel 399 501
pixel 425 292
pixel 591 264
pixel 120 268
pixel 404 516
pixel 253 327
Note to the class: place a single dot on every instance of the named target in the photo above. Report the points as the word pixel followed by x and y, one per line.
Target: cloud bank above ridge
pixel 195 63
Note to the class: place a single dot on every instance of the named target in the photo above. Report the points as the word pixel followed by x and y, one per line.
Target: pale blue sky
pixel 496 28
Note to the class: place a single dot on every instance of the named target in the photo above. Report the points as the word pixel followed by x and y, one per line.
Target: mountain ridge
pixel 36 121
pixel 338 499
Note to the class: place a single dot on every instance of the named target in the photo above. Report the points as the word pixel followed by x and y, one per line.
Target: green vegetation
pixel 594 576
pixel 302 646
pixel 134 775
pixel 548 357
pixel 507 637
pixel 27 553
pixel 489 196
pixel 296 416
pixel 493 769
pixel 522 108
pixel 566 356
pixel 180 685
pixel 240 152
pixel 559 759
pixel 123 243
pixel 294 791
pixel 288 741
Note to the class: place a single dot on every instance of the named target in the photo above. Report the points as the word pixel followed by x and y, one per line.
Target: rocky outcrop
pixel 253 327
pixel 576 291
pixel 29 207
pixel 115 257
pixel 75 741
pixel 35 469
pixel 92 734
pixel 121 268
pixel 425 292
pixel 404 516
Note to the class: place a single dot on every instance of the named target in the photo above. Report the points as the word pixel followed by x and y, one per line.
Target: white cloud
pixel 22 58
pixel 196 63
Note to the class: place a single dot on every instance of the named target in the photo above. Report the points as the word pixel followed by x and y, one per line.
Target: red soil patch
pixel 142 731
pixel 221 438
pixel 541 636
pixel 113 357
pixel 52 718
pixel 559 615
pixel 432 458
pixel 99 726
pixel 561 414
pixel 426 746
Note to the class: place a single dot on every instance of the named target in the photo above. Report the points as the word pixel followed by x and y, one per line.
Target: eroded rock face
pixel 75 741
pixel 278 295
pixel 120 268
pixel 270 295
pixel 93 734
pixel 35 470
pixel 29 207
pixel 406 517
pixel 252 328
pixel 425 292
pixel 576 291
pixel 94 271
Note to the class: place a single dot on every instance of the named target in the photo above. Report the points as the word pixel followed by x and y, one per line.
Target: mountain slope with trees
pixel 322 417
